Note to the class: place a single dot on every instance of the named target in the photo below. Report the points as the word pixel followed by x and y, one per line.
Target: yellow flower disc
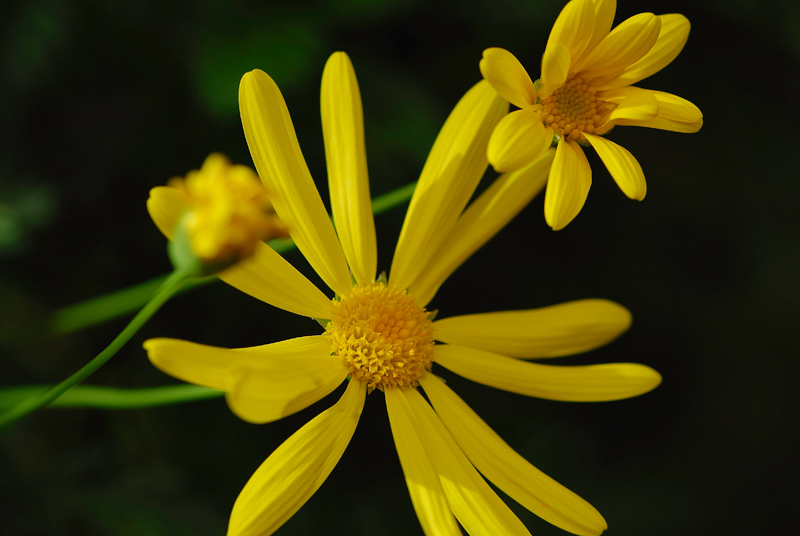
pixel 384 337
pixel 574 109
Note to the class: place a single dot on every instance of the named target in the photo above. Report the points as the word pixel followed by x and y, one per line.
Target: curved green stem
pixel 170 286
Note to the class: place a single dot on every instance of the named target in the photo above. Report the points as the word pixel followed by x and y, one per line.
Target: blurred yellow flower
pixel 584 91
pixel 379 334
pixel 223 211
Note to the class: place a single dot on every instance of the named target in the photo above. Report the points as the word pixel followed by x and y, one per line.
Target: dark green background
pixel 102 100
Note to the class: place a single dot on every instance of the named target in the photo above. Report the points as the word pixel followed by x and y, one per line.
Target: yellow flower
pixel 223 213
pixel 585 90
pixel 379 334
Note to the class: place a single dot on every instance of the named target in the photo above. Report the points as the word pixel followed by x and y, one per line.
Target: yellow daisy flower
pixel 379 334
pixel 585 90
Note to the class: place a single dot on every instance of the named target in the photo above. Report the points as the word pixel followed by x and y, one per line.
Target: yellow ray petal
pixel 191 362
pixel 422 480
pixel 343 131
pixel 509 471
pixel 166 205
pixel 209 365
pixel 623 46
pixel 555 331
pixel 265 388
pixel 296 470
pixel 604 11
pixel 456 163
pixel 567 42
pixel 622 165
pixel 518 140
pixel 671 40
pixel 555 69
pixel 675 108
pixel 267 276
pixel 297 347
pixel 568 185
pixel 475 505
pixel 484 217
pixel 508 77
pixel 590 383
pixel 664 124
pixel 632 103
pixel 674 113
pixel 276 154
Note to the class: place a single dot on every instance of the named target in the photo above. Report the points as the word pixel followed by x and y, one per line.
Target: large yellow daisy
pixel 379 335
pixel 584 91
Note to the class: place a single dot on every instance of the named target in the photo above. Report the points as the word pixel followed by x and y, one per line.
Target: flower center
pixel 384 337
pixel 573 109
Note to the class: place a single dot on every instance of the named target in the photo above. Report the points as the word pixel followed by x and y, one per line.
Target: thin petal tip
pixel 154 345
pixel 647 378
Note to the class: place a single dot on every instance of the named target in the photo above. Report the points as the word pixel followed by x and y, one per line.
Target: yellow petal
pixel 343 131
pixel 568 185
pixel 506 469
pixel 297 347
pixel 269 389
pixel 476 506
pixel 671 40
pixel 422 480
pixel 166 205
pixel 508 77
pixel 604 11
pixel 296 469
pixel 675 108
pixel 674 113
pixel 191 362
pixel 209 365
pixel 555 331
pixel 484 217
pixel 455 166
pixel 518 139
pixel 632 103
pixel 276 154
pixel 567 42
pixel 624 168
pixel 623 46
pixel 590 383
pixel 267 276
pixel 555 68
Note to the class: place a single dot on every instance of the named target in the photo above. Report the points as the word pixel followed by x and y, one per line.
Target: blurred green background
pixel 102 100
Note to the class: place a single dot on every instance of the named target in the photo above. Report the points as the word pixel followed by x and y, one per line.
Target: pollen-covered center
pixel 382 335
pixel 573 109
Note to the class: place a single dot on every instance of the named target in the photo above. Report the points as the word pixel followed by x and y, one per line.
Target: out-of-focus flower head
pixel 225 212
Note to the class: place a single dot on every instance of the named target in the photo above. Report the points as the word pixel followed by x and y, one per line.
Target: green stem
pixel 170 286
pixel 384 202
pixel 112 305
pixel 95 396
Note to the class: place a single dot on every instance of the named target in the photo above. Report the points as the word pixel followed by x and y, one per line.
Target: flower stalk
pixel 169 288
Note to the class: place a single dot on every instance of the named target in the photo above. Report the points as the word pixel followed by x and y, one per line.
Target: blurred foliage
pixel 23 208
pixel 101 100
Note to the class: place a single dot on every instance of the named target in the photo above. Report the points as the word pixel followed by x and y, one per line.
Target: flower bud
pixel 215 217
